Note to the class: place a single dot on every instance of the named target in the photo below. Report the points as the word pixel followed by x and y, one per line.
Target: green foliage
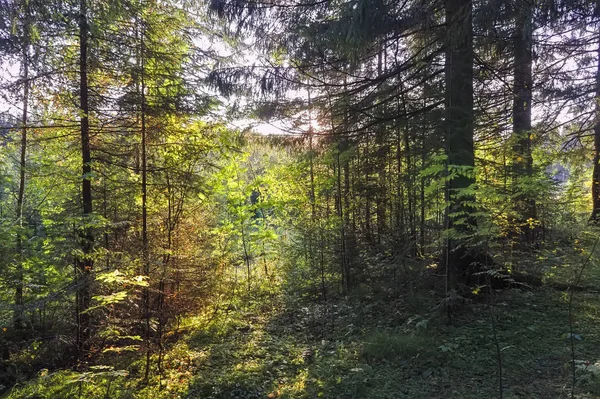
pixel 298 266
pixel 97 384
pixel 393 347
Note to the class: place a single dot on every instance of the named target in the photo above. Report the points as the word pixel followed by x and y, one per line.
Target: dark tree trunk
pixel 459 133
pixel 410 200
pixel 523 81
pixel 162 317
pixel 341 215
pixel 380 196
pixel 145 254
pixel 85 262
pixel 410 197
pixel 400 233
pixel 367 189
pixel 595 218
pixel 18 313
pixel 314 224
pixel 422 179
pixel 339 203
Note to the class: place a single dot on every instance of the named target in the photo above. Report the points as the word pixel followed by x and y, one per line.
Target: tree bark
pixel 144 170
pixel 410 197
pixel 595 218
pixel 85 262
pixel 18 312
pixel 523 82
pixel 459 133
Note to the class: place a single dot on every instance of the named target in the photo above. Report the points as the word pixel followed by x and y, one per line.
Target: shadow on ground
pixel 380 348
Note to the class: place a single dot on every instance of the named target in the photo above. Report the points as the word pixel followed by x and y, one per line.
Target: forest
pixel 299 199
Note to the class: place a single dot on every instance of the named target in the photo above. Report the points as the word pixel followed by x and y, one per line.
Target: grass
pixel 386 346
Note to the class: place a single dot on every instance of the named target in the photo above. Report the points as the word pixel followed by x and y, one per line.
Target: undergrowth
pixel 374 345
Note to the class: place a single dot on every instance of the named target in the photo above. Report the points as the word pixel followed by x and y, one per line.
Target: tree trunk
pixel 368 230
pixel 410 197
pixel 18 313
pixel 422 179
pixel 339 204
pixel 595 218
pixel 400 233
pixel 85 262
pixel 162 318
pixel 380 193
pixel 523 81
pixel 341 216
pixel 144 160
pixel 459 139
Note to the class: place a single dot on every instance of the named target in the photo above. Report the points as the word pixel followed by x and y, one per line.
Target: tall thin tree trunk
pixel 422 179
pixel 144 161
pixel 350 224
pixel 523 82
pixel 410 200
pixel 162 320
pixel 313 201
pixel 105 215
pixel 367 192
pixel 85 262
pixel 246 256
pixel 382 153
pixel 399 187
pixel 339 199
pixel 380 196
pixel 459 139
pixel 18 313
pixel 595 218
pixel 342 216
pixel 311 161
pixel 411 195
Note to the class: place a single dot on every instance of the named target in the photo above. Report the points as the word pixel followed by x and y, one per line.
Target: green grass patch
pixel 392 346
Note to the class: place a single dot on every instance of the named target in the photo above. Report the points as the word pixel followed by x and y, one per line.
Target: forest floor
pixel 371 345
pixel 383 349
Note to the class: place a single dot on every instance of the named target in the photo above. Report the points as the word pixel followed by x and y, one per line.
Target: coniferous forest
pixel 262 199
